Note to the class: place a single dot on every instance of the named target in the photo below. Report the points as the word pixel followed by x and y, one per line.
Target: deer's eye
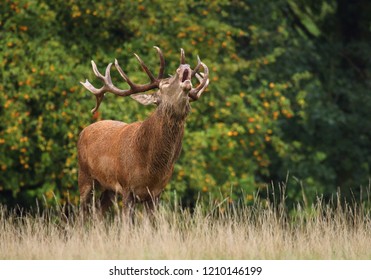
pixel 164 84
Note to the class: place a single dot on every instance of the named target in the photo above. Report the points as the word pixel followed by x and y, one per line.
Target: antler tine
pixel 203 78
pixel 99 93
pixel 99 99
pixel 197 67
pixel 96 71
pixel 134 88
pixel 107 77
pixel 145 68
pixel 162 63
pixel 200 77
pixel 123 75
pixel 182 56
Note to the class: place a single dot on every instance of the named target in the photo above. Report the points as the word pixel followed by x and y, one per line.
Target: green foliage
pixel 288 91
pixel 40 105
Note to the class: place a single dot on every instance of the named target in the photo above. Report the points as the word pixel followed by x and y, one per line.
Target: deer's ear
pixel 146 99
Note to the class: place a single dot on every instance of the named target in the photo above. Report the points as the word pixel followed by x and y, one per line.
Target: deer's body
pixel 136 160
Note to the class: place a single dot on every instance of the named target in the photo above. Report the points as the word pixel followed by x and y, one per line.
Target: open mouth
pixel 185 75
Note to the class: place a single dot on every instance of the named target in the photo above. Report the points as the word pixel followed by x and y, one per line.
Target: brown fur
pixel 137 160
pixel 134 160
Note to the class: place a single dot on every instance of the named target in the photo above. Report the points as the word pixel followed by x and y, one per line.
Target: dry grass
pixel 260 231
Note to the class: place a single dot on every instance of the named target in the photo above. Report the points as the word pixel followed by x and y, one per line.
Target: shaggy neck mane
pixel 160 137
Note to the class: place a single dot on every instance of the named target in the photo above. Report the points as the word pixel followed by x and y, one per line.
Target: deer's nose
pixel 186 85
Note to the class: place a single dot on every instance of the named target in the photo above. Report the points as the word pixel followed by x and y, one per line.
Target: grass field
pixel 261 231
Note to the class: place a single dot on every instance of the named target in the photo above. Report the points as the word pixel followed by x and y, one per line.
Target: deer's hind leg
pixel 86 191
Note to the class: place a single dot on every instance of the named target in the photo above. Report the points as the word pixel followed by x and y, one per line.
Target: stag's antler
pixel 134 88
pixel 203 78
pixel 195 93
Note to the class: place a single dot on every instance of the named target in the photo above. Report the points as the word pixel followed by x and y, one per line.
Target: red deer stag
pixel 136 160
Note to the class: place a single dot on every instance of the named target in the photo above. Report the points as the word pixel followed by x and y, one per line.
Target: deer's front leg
pixel 106 200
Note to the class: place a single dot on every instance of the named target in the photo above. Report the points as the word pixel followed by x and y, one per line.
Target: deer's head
pixel 174 92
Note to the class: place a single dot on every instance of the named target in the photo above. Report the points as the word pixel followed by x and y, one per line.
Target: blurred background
pixel 289 100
